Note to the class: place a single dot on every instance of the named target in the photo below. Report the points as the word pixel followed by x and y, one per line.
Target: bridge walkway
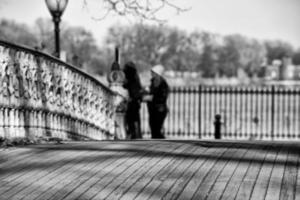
pixel 152 169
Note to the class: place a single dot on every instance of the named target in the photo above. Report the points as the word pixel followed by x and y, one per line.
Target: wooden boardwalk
pixel 152 170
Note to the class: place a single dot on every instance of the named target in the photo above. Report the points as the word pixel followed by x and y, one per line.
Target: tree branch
pixel 141 9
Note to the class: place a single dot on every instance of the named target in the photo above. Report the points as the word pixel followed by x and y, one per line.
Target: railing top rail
pixel 49 57
pixel 265 86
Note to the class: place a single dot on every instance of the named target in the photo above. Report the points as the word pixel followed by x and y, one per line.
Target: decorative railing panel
pixel 43 96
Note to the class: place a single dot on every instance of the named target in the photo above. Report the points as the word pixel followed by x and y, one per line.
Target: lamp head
pixel 56 7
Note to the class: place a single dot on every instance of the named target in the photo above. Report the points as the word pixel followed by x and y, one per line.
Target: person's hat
pixel 158 69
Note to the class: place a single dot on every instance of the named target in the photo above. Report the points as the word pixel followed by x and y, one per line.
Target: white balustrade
pixel 43 96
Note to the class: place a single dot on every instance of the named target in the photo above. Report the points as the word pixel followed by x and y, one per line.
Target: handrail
pixel 54 59
pixel 43 96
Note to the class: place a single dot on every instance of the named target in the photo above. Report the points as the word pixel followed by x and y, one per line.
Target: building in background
pixel 282 70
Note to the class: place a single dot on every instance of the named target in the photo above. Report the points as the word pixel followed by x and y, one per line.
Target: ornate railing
pixel 43 96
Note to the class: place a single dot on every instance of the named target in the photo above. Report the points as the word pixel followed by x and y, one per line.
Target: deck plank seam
pixel 266 150
pixel 119 173
pixel 252 156
pixel 279 155
pixel 224 163
pixel 235 168
pixel 24 173
pixel 269 177
pixel 169 162
pixel 297 180
pixel 103 176
pixel 46 173
pixel 193 163
pixel 140 170
pixel 164 154
pixel 179 164
pixel 90 166
pixel 214 163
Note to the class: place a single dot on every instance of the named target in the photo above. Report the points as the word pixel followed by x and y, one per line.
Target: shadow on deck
pixel 153 169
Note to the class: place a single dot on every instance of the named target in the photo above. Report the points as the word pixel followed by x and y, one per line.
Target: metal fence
pixel 264 112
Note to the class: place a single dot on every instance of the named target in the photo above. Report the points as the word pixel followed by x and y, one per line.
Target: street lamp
pixel 56 8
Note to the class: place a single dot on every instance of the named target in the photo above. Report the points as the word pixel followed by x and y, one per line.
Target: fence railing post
pixel 200 102
pixel 272 111
pixel 218 125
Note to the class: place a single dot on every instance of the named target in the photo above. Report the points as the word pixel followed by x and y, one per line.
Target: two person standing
pixel 156 99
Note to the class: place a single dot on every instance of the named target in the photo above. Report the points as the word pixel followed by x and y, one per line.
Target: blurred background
pixel 199 42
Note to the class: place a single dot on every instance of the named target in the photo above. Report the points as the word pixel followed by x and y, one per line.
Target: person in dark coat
pixel 132 115
pixel 157 102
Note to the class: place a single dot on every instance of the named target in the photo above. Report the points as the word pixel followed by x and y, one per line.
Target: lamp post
pixel 56 8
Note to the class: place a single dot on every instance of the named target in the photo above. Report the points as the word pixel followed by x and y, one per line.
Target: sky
pixel 261 19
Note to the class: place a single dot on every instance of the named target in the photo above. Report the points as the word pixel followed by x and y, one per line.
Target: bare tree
pixel 142 9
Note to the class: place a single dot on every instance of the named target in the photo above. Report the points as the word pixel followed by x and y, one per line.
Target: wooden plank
pixel 188 174
pixel 262 182
pixel 31 154
pixel 69 184
pixel 13 152
pixel 68 156
pixel 208 182
pixel 42 174
pixel 47 165
pixel 163 175
pixel 25 151
pixel 172 180
pixel 20 174
pixel 135 189
pixel 118 192
pixel 228 171
pixel 108 189
pixel 290 176
pixel 274 187
pixel 91 188
pixel 196 180
pixel 62 176
pixel 232 186
pixel 297 186
pixel 249 180
pixel 19 163
pixel 155 170
pixel 79 184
